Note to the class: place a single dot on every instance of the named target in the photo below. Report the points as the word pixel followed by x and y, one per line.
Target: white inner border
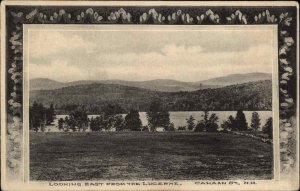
pixel 186 184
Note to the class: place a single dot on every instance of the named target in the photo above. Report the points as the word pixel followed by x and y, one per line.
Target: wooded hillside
pixel 248 96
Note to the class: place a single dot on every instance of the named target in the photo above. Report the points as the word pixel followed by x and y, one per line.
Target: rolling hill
pixel 237 79
pixel 247 96
pixel 162 85
pixel 45 83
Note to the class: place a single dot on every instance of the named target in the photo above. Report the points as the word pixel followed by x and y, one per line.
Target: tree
pixel 232 123
pixel 133 121
pixel 34 117
pixel 119 122
pixel 225 126
pixel 164 118
pixel 107 122
pixel 72 124
pixel 212 125
pixel 153 114
pixel 67 127
pixel 255 121
pixel 98 123
pixel 112 109
pixel 208 123
pixel 205 117
pixel 78 120
pixel 190 123
pixel 202 124
pixel 240 120
pixel 93 124
pixel 229 124
pixel 110 118
pixel 268 128
pixel 50 114
pixel 102 122
pixel 61 124
pixel 157 116
pixel 38 117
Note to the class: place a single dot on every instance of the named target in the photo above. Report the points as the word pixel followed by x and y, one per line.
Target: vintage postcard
pixel 149 95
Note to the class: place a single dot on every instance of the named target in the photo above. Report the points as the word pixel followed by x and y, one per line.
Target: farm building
pixel 159 129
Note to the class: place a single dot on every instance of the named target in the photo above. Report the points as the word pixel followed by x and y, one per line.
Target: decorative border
pixel 284 17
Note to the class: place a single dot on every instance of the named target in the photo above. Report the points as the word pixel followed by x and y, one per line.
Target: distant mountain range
pixel 237 79
pixel 161 85
pixel 247 96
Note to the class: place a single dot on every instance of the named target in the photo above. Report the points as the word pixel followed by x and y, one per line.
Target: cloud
pixel 187 63
pixel 58 70
pixel 49 43
pixel 185 56
pixel 173 50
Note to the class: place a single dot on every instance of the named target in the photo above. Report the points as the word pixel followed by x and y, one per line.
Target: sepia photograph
pixel 136 95
pixel 139 103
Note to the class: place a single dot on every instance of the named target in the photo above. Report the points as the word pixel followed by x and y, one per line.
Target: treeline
pixel 111 119
pixel 252 96
pixel 40 116
pixel 157 116
pixel 237 123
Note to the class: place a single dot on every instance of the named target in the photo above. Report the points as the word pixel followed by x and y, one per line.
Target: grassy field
pixel 148 156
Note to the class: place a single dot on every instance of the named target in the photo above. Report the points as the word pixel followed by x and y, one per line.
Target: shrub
pixel 145 128
pixel 170 127
pixel 181 128
pixel 199 127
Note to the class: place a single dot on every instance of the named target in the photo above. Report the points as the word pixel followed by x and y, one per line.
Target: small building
pixel 160 129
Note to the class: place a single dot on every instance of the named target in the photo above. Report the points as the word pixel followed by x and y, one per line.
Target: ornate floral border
pixel 284 17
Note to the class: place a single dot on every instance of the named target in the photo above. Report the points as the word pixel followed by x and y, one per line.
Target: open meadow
pixel 148 156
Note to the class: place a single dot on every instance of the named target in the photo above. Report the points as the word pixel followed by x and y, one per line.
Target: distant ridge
pixel 45 84
pixel 162 85
pixel 237 79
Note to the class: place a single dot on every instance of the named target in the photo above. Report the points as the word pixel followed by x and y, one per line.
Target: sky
pixel 143 53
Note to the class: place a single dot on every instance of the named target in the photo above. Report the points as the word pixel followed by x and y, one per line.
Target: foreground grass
pixel 146 156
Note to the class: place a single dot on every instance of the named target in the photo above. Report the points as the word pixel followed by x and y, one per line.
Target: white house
pixel 160 129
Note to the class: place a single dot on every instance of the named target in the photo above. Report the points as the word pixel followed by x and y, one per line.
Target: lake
pixel 179 117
